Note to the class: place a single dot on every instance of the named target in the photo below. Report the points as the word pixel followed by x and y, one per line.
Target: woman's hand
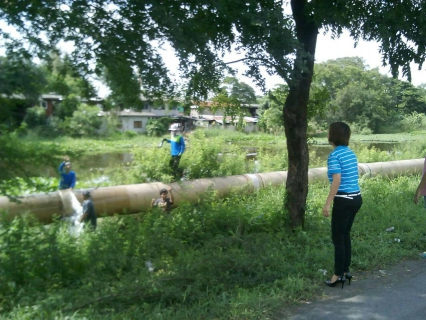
pixel 326 210
pixel 416 196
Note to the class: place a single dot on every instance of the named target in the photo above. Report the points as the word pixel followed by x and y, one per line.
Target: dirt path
pixel 397 293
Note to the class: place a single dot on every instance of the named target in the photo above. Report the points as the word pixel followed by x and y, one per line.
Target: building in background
pixel 205 117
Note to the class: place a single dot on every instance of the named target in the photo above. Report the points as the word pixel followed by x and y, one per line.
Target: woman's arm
pixel 422 184
pixel 337 177
pixel 171 195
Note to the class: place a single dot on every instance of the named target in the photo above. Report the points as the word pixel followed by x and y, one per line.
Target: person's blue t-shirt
pixel 343 160
pixel 177 145
pixel 68 180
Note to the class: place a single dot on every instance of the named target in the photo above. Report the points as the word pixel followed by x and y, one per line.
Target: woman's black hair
pixel 339 134
pixel 163 191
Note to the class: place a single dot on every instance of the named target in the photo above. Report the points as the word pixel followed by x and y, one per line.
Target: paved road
pixel 397 293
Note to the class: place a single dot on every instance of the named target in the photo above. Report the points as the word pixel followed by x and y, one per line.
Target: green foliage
pixel 271 112
pixel 230 101
pixel 16 160
pixel 67 106
pixel 239 90
pixel 21 82
pixel 158 127
pixel 130 134
pixel 35 117
pixel 201 32
pixel 30 185
pixel 64 78
pixel 218 259
pixel 201 159
pixel 366 155
pixel 209 158
pixel 229 145
pixel 413 121
pixel 84 122
pixel 270 161
pixel 110 126
pixel 370 101
pixel 361 126
pixel 231 109
pixel 20 76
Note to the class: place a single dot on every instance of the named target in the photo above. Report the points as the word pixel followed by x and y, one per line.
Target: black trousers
pixel 174 165
pixel 343 215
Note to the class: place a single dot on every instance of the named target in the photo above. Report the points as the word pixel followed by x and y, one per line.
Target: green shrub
pixel 84 122
pixel 202 159
pixel 159 126
pixel 110 126
pixel 35 117
pixel 361 128
pixel 67 107
pixel 130 134
pixel 210 158
pixel 413 121
pixel 224 259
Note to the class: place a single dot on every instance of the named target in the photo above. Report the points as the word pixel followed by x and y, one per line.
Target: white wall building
pixel 136 121
pixel 206 118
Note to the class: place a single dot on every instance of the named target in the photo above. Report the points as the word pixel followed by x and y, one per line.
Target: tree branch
pixel 254 59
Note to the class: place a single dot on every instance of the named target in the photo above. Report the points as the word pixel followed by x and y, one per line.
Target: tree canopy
pixel 21 82
pixel 364 96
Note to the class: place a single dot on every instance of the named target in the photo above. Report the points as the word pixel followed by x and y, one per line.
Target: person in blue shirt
pixel 342 165
pixel 68 177
pixel 177 148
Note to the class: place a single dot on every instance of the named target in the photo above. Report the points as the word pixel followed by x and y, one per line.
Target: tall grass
pixel 230 259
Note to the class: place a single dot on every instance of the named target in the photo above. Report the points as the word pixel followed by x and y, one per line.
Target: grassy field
pixel 228 259
pixel 231 259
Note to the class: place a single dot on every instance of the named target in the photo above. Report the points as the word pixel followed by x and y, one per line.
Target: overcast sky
pixel 327 49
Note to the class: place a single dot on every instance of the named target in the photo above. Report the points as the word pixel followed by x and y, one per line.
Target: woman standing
pixel 342 166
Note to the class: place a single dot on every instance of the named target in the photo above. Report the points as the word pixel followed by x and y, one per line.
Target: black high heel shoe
pixel 349 276
pixel 339 280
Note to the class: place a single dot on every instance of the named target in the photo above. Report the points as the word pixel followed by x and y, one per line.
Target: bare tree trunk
pixel 295 114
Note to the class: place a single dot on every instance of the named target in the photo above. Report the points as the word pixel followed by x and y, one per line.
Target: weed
pixel 231 258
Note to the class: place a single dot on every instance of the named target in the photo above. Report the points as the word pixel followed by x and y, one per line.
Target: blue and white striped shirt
pixel 343 160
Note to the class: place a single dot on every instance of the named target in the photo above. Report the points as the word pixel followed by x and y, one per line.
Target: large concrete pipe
pixel 137 197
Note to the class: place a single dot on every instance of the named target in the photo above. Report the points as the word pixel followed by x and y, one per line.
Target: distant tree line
pixel 22 82
pixel 347 90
